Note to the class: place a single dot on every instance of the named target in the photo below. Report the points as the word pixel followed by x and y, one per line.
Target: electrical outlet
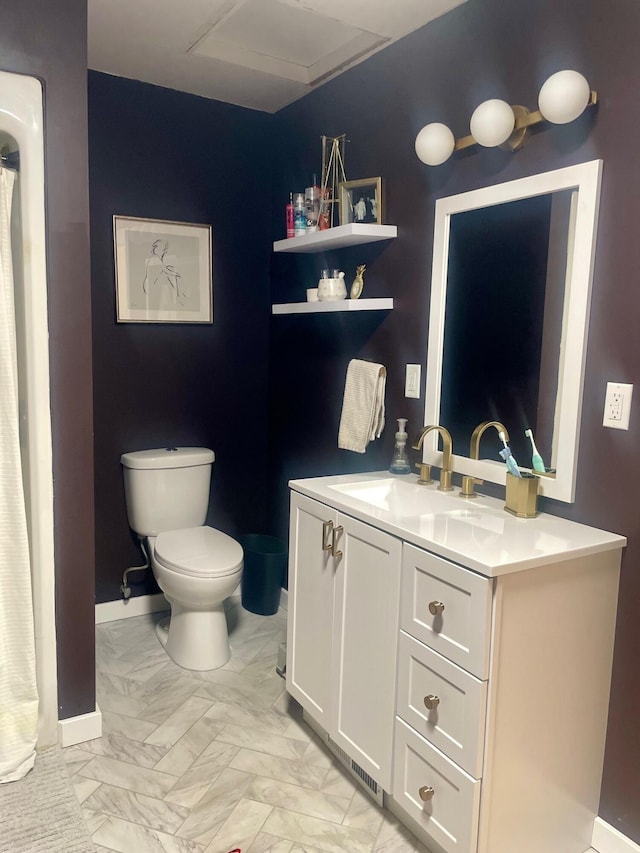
pixel 617 405
pixel 412 381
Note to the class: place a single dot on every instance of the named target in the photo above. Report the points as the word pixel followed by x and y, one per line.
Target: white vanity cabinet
pixel 342 632
pixel 504 643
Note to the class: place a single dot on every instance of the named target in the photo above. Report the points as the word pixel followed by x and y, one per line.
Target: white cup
pixel 312 294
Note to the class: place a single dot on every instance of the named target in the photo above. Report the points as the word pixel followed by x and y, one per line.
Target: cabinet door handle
pixel 334 536
pixel 426 793
pixel 431 701
pixel 436 608
pixel 327 527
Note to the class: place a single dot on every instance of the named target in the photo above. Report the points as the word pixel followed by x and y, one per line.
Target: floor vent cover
pixel 361 775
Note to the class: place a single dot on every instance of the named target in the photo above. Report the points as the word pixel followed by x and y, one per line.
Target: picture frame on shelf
pixel 362 201
pixel 163 271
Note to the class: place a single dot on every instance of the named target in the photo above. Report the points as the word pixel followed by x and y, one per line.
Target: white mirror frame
pixel 586 179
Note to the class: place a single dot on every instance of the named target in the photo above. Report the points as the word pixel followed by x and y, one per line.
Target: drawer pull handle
pixel 327 527
pixel 426 793
pixel 436 608
pixel 431 701
pixel 334 536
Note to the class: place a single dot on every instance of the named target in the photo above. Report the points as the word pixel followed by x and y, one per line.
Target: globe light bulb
pixel 492 123
pixel 434 144
pixel 564 96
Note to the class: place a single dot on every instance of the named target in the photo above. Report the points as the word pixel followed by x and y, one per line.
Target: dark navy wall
pixel 483 49
pixel 160 154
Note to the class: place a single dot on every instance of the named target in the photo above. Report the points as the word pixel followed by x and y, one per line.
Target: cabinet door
pixel 367 592
pixel 310 616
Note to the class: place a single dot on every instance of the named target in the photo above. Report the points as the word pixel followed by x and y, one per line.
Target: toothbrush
pixel 512 465
pixel 507 453
pixel 536 460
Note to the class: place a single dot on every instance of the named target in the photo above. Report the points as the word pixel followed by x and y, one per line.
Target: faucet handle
pixel 425 473
pixel 468 484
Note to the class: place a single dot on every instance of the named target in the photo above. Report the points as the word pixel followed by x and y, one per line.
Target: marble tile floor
pixel 205 762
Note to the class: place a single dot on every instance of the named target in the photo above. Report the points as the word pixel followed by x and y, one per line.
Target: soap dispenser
pixel 400 463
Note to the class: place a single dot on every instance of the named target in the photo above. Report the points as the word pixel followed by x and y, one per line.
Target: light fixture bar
pixel 495 123
pixel 524 120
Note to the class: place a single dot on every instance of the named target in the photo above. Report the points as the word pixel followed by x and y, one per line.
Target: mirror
pixel 510 296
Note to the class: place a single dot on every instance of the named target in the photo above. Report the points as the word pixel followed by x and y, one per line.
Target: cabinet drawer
pixel 450 817
pixel 455 722
pixel 459 629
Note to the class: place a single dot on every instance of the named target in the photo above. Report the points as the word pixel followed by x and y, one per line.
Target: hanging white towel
pixel 362 405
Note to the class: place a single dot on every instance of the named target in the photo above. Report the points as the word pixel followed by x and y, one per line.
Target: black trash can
pixel 265 565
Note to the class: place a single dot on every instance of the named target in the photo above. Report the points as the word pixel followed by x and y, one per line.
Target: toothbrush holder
pixel 522 495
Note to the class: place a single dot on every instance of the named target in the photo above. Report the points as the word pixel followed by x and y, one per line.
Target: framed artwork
pixel 362 201
pixel 163 271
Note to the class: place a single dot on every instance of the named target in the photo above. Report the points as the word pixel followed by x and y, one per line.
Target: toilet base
pixel 196 639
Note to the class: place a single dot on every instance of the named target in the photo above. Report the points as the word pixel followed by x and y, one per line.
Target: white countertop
pixel 476 533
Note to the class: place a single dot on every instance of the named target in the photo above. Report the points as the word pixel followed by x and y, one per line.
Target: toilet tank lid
pixel 168 457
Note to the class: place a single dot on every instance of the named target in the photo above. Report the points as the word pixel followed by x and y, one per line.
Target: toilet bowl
pixel 197 569
pixel 196 566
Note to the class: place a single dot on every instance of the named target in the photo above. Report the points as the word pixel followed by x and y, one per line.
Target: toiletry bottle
pixel 324 216
pixel 400 463
pixel 290 220
pixel 300 216
pixel 312 204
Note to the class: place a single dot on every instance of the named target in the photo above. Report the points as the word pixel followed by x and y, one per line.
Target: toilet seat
pixel 201 552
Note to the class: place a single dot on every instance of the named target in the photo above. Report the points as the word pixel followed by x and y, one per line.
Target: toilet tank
pixel 167 488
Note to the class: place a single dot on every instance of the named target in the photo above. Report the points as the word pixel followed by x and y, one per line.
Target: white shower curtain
pixel 18 692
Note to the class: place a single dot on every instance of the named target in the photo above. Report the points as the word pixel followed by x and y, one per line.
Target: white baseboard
pixel 111 611
pixel 606 839
pixel 80 729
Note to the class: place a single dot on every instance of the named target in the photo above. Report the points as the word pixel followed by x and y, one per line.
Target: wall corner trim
pixel 80 729
pixel 607 839
pixel 111 611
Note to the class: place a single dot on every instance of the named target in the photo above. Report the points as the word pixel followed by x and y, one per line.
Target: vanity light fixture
pixel 562 99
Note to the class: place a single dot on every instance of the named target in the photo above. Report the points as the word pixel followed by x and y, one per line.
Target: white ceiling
pixel 262 54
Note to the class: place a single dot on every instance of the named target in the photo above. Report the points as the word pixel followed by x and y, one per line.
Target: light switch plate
pixel 412 381
pixel 617 405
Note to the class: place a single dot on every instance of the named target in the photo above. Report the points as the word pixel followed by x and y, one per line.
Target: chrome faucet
pixel 447 449
pixel 468 483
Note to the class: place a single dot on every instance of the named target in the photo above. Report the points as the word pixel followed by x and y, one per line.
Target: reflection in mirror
pixel 509 314
pixel 505 284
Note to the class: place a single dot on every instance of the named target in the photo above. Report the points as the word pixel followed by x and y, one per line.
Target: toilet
pixel 197 567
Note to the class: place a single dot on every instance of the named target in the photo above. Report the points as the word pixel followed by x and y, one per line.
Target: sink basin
pixel 385 494
pixel 401 498
pixel 407 502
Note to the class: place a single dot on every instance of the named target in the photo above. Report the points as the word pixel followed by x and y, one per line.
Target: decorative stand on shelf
pixel 332 170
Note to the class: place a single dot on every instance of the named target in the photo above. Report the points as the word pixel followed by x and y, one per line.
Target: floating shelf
pixel 336 238
pixel 384 304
